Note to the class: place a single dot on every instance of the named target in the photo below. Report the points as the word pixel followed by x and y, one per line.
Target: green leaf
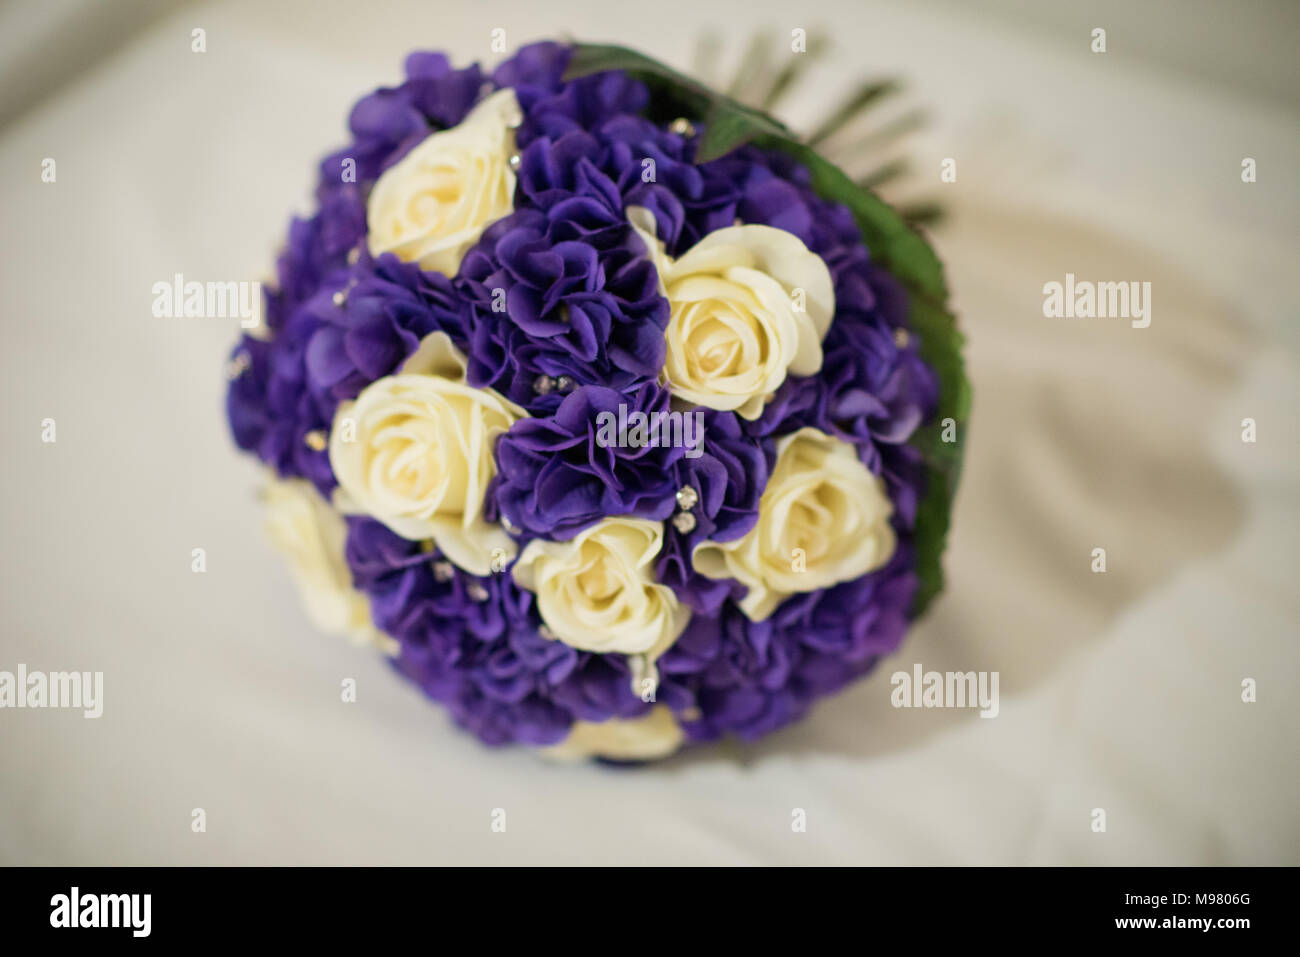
pixel 589 58
pixel 940 346
pixel 859 100
pixel 727 124
pixel 726 129
pixel 892 243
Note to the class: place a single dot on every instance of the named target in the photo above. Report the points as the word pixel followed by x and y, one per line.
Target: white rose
pixel 598 592
pixel 415 452
pixel 749 305
pixel 311 535
pixel 434 203
pixel 823 519
pixel 652 736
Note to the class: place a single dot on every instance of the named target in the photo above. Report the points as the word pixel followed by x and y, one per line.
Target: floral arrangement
pixel 613 413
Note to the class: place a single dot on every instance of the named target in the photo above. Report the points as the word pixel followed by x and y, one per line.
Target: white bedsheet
pixel 1119 691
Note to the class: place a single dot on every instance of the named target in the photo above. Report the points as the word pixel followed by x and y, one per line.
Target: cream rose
pixel 654 735
pixel 311 535
pixel 597 591
pixel 415 451
pixel 823 518
pixel 749 306
pixel 436 201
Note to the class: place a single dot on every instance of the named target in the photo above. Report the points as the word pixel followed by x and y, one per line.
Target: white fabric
pixel 1119 691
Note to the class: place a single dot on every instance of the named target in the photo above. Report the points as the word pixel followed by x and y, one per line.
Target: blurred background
pixel 1120 691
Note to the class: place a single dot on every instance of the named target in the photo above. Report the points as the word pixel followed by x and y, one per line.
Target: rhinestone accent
pixel 564 384
pixel 687 497
pixel 684 522
pixel 543 385
pixel 476 591
pixel 340 297
pixel 315 440
pixel 443 571
pixel 683 127
pixel 545 632
pixel 902 338
pixel 515 161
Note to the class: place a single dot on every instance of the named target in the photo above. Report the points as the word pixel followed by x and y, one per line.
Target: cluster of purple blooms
pixel 584 312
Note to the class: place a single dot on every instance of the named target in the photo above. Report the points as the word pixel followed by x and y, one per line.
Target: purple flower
pixel 474 643
pixel 727 480
pixel 317 248
pixel 390 121
pixel 871 391
pixel 558 475
pixel 563 293
pixel 553 108
pixel 749 678
pixel 272 409
pixel 389 307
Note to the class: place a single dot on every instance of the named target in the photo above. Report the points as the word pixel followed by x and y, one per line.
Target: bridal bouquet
pixel 613 413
